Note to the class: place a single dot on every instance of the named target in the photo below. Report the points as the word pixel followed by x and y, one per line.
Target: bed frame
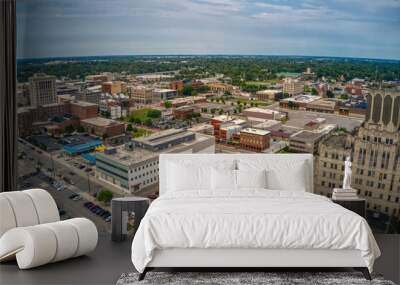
pixel 255 259
pixel 242 259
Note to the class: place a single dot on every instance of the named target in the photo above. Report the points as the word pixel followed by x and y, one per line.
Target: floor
pixel 110 260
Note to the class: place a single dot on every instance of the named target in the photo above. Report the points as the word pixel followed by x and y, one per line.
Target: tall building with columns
pixel 375 152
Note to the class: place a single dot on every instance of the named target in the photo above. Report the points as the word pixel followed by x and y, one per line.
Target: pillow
pixel 223 179
pixel 185 177
pixel 193 175
pixel 290 175
pixel 251 178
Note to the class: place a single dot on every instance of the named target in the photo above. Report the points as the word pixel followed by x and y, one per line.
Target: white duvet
pixel 250 219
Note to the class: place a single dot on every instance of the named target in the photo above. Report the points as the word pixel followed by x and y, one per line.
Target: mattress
pixel 250 219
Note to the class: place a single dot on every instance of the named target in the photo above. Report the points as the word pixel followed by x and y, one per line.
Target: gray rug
pixel 240 278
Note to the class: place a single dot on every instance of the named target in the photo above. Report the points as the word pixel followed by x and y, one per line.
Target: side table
pixel 357 205
pixel 120 208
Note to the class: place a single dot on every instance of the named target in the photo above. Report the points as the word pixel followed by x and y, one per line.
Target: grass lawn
pixel 141 114
pixel 139 132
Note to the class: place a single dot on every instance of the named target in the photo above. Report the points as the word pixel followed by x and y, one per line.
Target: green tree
pixel 105 196
pixel 187 90
pixel 330 94
pixel 80 129
pixel 154 113
pixel 69 129
pixel 129 128
pixel 314 91
pixel 220 111
pixel 137 120
pixel 213 111
pixel 167 104
pixel 148 122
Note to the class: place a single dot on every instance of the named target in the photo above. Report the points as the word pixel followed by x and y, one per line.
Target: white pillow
pixel 282 174
pixel 291 177
pixel 251 178
pixel 184 177
pixel 223 179
pixel 187 175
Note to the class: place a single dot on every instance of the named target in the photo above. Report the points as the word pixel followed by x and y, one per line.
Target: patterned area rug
pixel 242 278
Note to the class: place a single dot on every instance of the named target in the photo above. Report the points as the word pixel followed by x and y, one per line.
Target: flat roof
pixel 163 136
pixel 302 98
pixel 268 91
pixel 306 135
pixel 255 131
pixel 336 141
pixel 83 103
pixel 161 90
pixel 261 110
pixel 138 154
pixel 101 122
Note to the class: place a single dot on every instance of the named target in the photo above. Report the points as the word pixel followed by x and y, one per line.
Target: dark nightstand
pixel 357 205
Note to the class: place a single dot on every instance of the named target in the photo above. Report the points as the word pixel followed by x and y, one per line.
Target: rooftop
pixel 83 103
pixel 302 98
pixel 306 135
pixel 261 110
pixel 255 131
pixel 100 122
pixel 132 156
pixel 336 141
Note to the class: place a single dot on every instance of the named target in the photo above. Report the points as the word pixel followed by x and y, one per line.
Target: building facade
pixel 135 166
pixel 42 90
pixel 293 86
pixel 254 139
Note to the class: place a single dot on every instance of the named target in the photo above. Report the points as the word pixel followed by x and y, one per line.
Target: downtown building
pixel 42 89
pixel 375 152
pixel 134 166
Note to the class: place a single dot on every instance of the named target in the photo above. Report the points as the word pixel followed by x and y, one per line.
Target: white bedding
pixel 252 218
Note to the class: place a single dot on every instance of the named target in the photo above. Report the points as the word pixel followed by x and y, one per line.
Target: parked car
pixel 73 196
pixel 77 198
pixel 108 219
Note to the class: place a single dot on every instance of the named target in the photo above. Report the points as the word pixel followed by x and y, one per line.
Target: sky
pixel 349 28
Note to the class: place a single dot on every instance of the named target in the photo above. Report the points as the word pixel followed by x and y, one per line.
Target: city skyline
pixel 300 28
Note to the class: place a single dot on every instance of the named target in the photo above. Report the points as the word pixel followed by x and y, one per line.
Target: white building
pixel 293 86
pixel 135 166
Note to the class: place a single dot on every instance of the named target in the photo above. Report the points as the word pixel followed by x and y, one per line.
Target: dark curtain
pixel 8 104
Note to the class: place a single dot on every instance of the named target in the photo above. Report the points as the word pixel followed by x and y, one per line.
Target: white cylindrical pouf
pixel 7 218
pixel 87 235
pixel 45 205
pixel 67 240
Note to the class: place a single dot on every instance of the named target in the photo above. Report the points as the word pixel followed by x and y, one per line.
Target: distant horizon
pixel 210 54
pixel 338 28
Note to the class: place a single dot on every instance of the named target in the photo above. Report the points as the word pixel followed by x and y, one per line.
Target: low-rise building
pixel 299 102
pixel 323 106
pixel 267 114
pixel 176 85
pixel 268 95
pixel 308 141
pixel 84 110
pixel 183 112
pixel 220 88
pixel 255 139
pixel 135 165
pixel 103 127
pixel 113 87
pixel 164 94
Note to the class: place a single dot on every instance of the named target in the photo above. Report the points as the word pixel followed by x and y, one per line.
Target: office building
pixel 268 95
pixel 135 165
pixel 42 90
pixel 308 141
pixel 164 94
pixel 142 95
pixel 265 114
pixel 102 127
pixel 84 110
pixel 293 86
pixel 254 139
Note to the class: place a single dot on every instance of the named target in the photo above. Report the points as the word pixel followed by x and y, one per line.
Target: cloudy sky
pixel 356 28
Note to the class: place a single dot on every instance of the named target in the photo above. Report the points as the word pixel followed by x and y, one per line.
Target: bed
pixel 247 211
